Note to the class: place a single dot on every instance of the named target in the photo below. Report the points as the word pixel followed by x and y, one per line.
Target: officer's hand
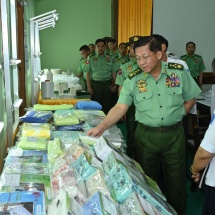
pixel 113 88
pixel 95 132
pixel 196 177
pixel 90 90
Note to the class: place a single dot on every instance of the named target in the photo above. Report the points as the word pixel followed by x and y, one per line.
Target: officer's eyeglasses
pixel 144 58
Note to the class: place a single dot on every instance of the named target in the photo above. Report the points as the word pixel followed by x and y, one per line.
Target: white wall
pixel 181 21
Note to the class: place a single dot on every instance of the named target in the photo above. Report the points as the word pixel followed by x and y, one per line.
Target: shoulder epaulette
pixel 198 55
pixel 175 66
pixel 81 59
pixel 134 73
pixel 92 54
pixel 183 56
pixel 125 61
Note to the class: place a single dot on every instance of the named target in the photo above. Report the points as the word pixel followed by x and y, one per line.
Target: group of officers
pixel 153 91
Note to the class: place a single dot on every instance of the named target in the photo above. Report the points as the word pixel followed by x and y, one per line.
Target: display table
pixel 59 101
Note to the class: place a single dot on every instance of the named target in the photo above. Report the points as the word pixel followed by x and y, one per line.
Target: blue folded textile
pixel 76 127
pixel 36 116
pixel 88 105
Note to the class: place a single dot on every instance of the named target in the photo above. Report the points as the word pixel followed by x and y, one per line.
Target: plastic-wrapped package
pixel 61 119
pixel 83 167
pixel 40 130
pixel 27 168
pixel 101 205
pixel 36 116
pixel 68 138
pixel 94 120
pixel 54 150
pixel 88 105
pixel 131 206
pixel 77 127
pixel 88 140
pixel 15 152
pixel 82 114
pixel 75 207
pixel 96 183
pixel 52 107
pixel 75 150
pixel 59 205
pixel 32 143
pixel 119 183
pixel 102 148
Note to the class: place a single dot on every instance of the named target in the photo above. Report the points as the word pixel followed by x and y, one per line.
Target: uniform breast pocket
pixel 143 101
pixel 174 97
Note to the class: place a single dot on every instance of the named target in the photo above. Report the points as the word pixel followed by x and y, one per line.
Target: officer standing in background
pixel 194 62
pixel 113 50
pixel 125 69
pixel 82 69
pixel 162 94
pixel 101 76
pixel 92 48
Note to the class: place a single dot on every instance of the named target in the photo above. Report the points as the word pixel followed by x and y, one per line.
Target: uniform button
pixel 161 106
pixel 161 118
pixel 159 94
pixel 174 93
pixel 156 82
pixel 143 97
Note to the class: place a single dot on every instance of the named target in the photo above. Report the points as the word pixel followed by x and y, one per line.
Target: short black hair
pixel 154 45
pixel 100 40
pixel 85 48
pixel 126 44
pixel 161 40
pixel 190 43
pixel 91 44
pixel 112 41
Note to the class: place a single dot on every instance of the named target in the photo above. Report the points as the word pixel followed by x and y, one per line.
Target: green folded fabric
pixel 52 107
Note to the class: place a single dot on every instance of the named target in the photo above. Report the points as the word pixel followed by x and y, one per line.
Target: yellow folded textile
pixel 52 107
pixel 40 130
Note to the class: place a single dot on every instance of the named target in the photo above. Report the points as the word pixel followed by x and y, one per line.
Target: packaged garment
pixel 95 183
pixel 52 107
pixel 32 182
pixel 61 119
pixel 32 143
pixel 93 120
pixel 88 140
pixel 21 203
pixel 100 204
pixel 102 148
pixel 119 183
pixel 18 152
pixel 36 116
pixel 88 105
pixel 40 130
pixel 132 206
pixel 83 167
pixel 76 127
pixel 59 205
pixel 54 150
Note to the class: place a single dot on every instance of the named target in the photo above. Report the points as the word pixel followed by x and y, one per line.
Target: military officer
pixel 113 50
pixel 194 62
pixel 162 94
pixel 102 71
pixel 92 48
pixel 125 69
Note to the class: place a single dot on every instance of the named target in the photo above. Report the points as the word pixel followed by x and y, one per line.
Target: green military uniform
pixel 113 55
pixel 125 69
pixel 83 67
pixel 101 68
pixel 159 136
pixel 195 64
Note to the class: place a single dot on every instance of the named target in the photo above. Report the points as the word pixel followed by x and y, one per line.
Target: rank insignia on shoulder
pixel 134 73
pixel 175 66
pixel 120 71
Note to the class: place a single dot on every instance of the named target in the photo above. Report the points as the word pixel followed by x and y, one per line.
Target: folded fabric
pixel 52 107
pixel 88 105
pixel 77 127
pixel 36 116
